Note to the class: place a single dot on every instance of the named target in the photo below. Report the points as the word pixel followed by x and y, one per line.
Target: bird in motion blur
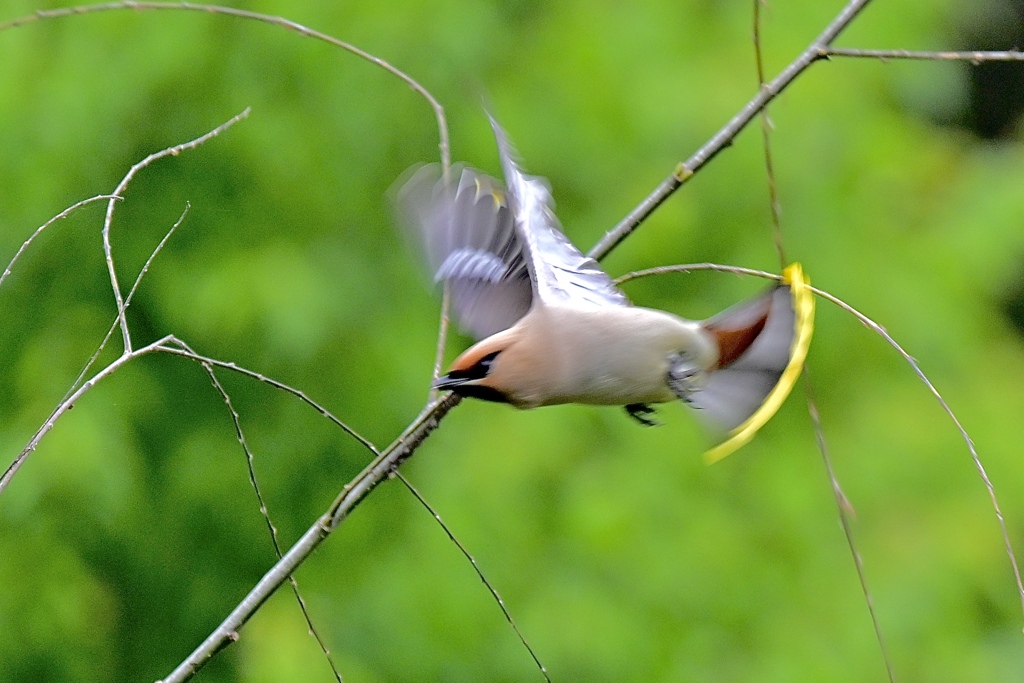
pixel 553 328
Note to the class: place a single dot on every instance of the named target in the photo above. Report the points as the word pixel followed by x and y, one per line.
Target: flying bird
pixel 553 328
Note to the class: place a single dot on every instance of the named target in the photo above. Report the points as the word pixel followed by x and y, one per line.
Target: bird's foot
pixel 641 412
pixel 684 378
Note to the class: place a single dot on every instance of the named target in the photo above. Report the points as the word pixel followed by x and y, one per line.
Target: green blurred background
pixel 133 530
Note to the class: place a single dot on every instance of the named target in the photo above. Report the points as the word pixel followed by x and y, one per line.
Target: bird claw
pixel 641 412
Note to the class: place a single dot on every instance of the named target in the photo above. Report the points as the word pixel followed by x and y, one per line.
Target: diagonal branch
pixel 972 56
pixel 818 49
pixel 479 572
pixel 250 463
pixel 128 354
pixel 69 402
pixel 844 510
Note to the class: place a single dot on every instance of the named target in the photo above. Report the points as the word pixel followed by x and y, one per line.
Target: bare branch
pixel 69 403
pixel 350 496
pixel 766 142
pixel 179 348
pixel 127 302
pixel 442 123
pixel 724 137
pixel 77 388
pixel 44 226
pixel 442 338
pixel 128 354
pixel 881 331
pixel 843 507
pixel 236 420
pixel 479 572
pixel 119 192
pixel 156 250
pixel 972 56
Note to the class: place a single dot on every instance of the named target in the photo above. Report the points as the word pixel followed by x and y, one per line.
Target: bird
pixel 553 328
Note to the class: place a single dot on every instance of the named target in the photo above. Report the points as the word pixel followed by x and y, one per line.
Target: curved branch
pixel 63 214
pixel 174 150
pixel 180 348
pixel 910 360
pixel 442 123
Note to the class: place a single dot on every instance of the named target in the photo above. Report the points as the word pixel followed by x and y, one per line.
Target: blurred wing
pixel 561 274
pixel 467 233
pixel 763 346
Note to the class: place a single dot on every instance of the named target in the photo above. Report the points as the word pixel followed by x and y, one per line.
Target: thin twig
pixel 92 359
pixel 69 402
pixel 442 123
pixel 128 300
pixel 843 506
pixel 265 512
pixel 119 192
pixel 156 250
pixel 766 142
pixel 446 304
pixel 479 572
pixel 349 497
pixel 44 226
pixel 881 331
pixel 442 338
pixel 724 137
pixel 178 348
pixel 972 56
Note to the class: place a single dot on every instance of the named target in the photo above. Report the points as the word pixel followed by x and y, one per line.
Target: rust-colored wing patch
pixel 736 330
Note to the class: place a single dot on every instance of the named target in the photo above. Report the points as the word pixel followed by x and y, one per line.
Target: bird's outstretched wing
pixel 467 232
pixel 498 249
pixel 560 273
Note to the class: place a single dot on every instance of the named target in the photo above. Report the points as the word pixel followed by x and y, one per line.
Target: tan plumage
pixel 553 326
pixel 562 354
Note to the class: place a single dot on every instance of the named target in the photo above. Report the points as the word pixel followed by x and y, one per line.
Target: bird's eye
pixel 483 366
pixel 478 370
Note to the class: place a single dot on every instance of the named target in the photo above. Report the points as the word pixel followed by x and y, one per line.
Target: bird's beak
pixel 466 386
pixel 447 382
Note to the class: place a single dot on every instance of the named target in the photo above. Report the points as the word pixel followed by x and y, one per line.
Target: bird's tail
pixel 762 347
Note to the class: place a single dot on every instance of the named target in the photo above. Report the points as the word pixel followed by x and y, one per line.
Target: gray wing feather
pixel 560 272
pixel 467 232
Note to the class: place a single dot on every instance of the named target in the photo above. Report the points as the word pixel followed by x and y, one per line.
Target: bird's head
pixel 480 370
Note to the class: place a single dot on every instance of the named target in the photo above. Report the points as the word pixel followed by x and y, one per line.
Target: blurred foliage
pixel 132 530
